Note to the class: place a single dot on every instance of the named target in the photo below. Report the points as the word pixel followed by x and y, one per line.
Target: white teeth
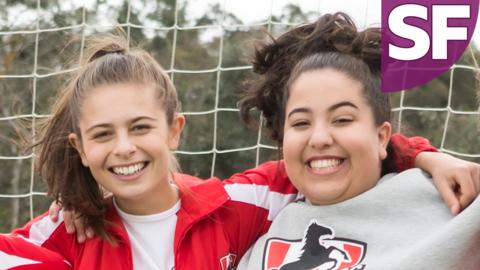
pixel 129 169
pixel 324 163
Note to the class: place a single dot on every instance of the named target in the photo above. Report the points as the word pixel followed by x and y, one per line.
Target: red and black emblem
pixel 227 262
pixel 319 249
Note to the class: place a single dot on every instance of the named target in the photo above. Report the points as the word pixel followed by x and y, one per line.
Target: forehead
pixel 118 102
pixel 322 87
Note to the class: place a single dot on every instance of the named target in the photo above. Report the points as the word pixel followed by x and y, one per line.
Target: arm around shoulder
pixel 405 151
pixel 45 233
pixel 18 252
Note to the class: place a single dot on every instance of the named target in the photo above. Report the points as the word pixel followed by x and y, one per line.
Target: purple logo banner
pixel 421 39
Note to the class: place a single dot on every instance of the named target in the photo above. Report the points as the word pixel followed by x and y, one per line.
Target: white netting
pixel 29 33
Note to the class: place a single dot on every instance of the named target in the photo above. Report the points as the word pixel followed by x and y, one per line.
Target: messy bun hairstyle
pixel 332 34
pixel 107 59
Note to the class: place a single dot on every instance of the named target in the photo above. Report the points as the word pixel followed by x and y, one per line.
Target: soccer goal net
pixel 205 46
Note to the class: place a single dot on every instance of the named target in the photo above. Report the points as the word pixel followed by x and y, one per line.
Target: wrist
pixel 421 160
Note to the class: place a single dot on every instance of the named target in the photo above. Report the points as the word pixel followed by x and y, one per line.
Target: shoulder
pixel 186 180
pixel 200 196
pixel 42 228
pixel 413 185
pixel 45 233
pixel 410 177
pixel 269 170
pixel 18 252
pixel 270 175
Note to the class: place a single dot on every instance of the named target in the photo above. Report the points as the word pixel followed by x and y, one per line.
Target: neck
pixel 155 202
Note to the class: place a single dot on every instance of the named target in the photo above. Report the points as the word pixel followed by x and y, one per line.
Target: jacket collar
pixel 115 226
pixel 199 197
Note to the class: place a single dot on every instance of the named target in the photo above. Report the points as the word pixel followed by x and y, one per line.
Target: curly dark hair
pixel 334 36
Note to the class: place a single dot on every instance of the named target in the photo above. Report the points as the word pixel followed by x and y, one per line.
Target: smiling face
pixel 331 145
pixel 126 143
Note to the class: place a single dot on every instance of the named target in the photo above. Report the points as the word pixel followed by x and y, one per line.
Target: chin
pixel 322 201
pixel 325 199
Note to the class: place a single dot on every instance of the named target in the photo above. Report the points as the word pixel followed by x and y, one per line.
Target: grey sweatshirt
pixel 401 223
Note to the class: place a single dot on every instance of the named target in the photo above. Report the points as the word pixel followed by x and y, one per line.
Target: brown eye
pixel 342 120
pixel 101 135
pixel 141 128
pixel 300 124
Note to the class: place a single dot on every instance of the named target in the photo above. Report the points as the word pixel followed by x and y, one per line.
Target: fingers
pixel 475 173
pixel 449 197
pixel 68 218
pixel 75 224
pixel 90 233
pixel 467 188
pixel 80 229
pixel 466 183
pixel 53 211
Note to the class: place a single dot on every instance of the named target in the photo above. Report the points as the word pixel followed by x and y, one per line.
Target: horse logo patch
pixel 319 249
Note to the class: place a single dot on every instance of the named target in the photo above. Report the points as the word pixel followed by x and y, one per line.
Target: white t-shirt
pixel 151 237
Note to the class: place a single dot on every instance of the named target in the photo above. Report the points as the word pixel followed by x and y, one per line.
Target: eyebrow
pixel 134 120
pixel 330 109
pixel 342 104
pixel 298 110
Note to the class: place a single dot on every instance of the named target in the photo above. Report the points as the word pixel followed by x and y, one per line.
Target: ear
pixel 384 134
pixel 175 131
pixel 75 142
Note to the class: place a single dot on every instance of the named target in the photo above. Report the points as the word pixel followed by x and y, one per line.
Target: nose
pixel 320 137
pixel 124 147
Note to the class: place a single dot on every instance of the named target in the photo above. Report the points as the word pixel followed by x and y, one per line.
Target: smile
pixel 130 169
pixel 319 164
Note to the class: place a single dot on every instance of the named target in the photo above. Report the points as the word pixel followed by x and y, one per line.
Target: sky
pixel 364 12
